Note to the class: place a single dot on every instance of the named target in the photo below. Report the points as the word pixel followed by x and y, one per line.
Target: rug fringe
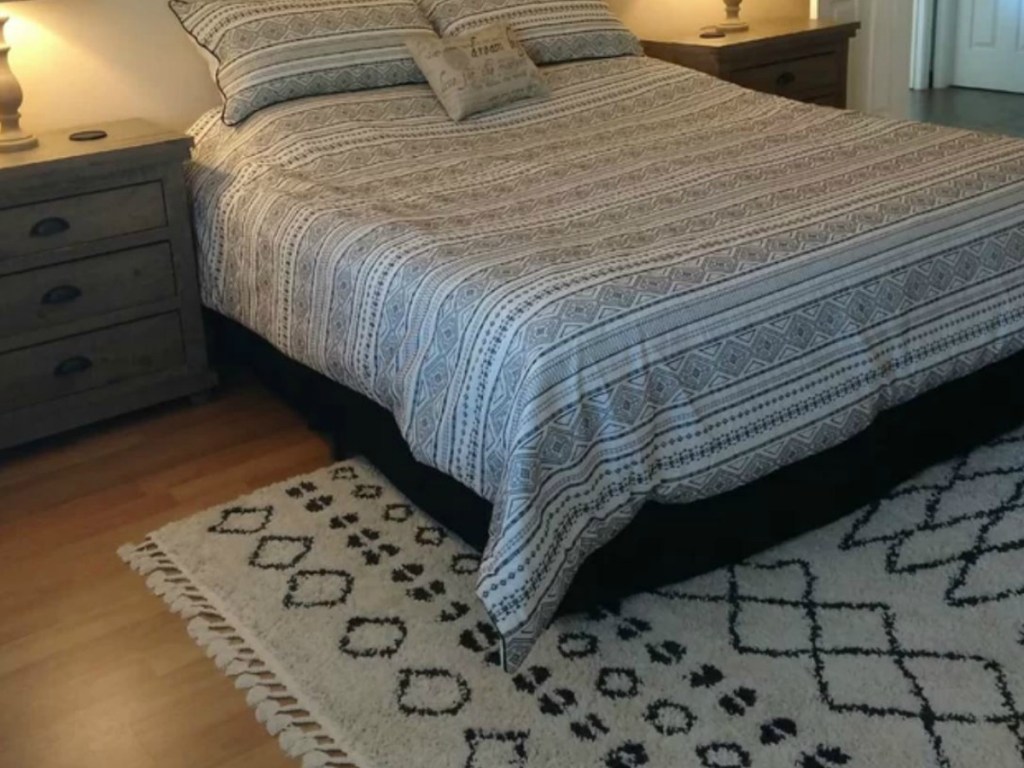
pixel 277 707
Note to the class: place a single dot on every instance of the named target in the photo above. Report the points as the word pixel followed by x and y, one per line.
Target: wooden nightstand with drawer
pixel 800 59
pixel 99 300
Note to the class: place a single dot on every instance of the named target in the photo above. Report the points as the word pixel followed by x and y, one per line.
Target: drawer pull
pixel 72 365
pixel 62 294
pixel 785 79
pixel 50 226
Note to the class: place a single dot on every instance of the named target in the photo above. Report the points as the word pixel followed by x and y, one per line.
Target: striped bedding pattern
pixel 653 286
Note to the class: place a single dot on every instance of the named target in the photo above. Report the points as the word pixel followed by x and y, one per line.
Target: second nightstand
pixel 800 59
pixel 99 302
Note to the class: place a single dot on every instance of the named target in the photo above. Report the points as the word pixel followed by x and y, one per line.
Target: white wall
pixel 83 61
pixel 880 54
pixel 674 17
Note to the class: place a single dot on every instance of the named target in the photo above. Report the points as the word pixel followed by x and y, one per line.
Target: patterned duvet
pixel 653 285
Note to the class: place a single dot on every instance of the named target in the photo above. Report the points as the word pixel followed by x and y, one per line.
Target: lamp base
pixel 19 143
pixel 735 25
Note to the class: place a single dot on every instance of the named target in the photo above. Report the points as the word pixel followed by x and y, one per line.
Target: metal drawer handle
pixel 72 365
pixel 62 294
pixel 50 226
pixel 786 78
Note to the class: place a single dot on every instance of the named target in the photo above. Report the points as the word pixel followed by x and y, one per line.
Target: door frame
pixel 933 52
pixel 923 46
pixel 944 47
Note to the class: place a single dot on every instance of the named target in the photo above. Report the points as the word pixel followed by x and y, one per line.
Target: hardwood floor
pixel 986 111
pixel 94 671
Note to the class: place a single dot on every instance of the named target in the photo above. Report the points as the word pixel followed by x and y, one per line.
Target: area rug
pixel 891 639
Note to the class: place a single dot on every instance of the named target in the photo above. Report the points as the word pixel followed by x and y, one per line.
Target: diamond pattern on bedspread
pixel 653 286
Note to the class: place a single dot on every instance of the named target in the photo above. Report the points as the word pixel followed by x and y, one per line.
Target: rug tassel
pixel 316 759
pixel 266 710
pixel 245 680
pixel 298 733
pixel 277 723
pixel 296 742
pixel 236 669
pixel 257 695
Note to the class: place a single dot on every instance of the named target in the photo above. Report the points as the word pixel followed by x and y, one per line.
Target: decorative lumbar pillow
pixel 477 71
pixel 270 51
pixel 550 30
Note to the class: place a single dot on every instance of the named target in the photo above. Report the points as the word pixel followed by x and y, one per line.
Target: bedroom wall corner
pixel 82 61
pixel 642 15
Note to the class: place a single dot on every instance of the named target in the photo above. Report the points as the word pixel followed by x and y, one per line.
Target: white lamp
pixel 12 138
pixel 732 22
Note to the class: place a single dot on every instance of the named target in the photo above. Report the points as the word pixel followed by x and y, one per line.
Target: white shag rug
pixel 892 639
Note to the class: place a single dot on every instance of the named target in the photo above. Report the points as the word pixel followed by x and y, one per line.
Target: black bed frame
pixel 666 544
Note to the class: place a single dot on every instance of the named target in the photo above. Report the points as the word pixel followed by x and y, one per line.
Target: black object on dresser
pixel 99 300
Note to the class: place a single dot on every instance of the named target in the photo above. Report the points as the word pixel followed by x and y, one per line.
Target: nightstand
pixel 99 300
pixel 800 59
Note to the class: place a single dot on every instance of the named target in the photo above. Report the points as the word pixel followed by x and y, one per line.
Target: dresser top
pixel 134 142
pixel 681 33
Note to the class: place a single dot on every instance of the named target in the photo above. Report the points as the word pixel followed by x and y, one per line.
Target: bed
pixel 652 288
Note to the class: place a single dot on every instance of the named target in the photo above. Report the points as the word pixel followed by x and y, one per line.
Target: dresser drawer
pixel 796 78
pixel 80 219
pixel 90 360
pixel 44 298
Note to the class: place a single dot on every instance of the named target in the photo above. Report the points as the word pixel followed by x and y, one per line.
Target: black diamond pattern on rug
pixel 243 520
pixel 974 542
pixel 873 673
pixel 432 692
pixel 373 636
pixel 320 588
pixel 280 553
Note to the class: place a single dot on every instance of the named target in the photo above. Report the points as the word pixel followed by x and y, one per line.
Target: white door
pixel 880 54
pixel 989 49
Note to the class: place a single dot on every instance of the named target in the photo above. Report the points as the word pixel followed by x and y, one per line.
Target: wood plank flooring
pixel 94 671
pixel 986 111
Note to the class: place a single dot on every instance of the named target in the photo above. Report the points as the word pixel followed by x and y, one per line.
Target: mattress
pixel 651 286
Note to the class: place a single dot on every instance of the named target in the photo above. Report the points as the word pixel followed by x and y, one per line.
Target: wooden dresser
pixel 800 59
pixel 99 302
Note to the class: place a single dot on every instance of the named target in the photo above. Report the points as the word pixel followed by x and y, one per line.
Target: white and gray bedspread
pixel 652 286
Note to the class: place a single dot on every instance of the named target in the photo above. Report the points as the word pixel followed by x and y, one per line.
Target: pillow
pixel 270 51
pixel 477 71
pixel 550 30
